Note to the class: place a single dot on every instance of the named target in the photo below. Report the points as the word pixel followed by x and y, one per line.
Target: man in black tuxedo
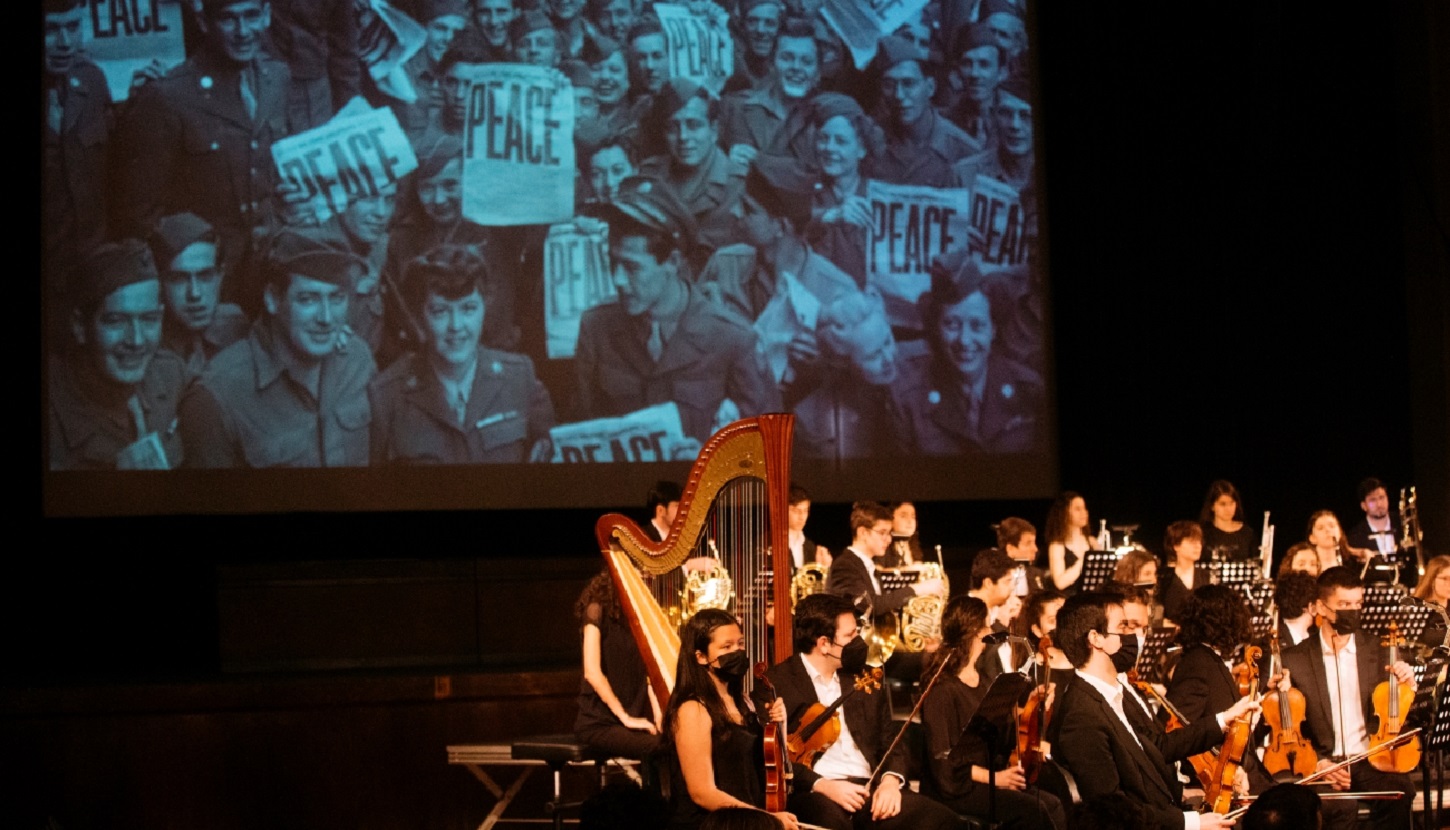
pixel 663 503
pixel 1337 667
pixel 853 573
pixel 1104 738
pixel 837 790
pixel 1379 531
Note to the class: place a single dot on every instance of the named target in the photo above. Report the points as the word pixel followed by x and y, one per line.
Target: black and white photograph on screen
pixel 361 233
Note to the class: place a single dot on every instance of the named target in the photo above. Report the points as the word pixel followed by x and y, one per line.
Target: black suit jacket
pixel 1359 535
pixel 868 716
pixel 1091 742
pixel 1307 673
pixel 1202 687
pixel 848 578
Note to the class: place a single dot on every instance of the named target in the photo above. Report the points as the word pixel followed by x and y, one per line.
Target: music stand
pixel 1239 571
pixel 1097 569
pixel 1150 661
pixel 1437 728
pixel 1376 619
pixel 892 579
pixel 995 725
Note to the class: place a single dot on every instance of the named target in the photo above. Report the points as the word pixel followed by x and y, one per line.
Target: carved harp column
pixel 734 505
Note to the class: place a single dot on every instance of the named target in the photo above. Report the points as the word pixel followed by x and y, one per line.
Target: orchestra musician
pixel 1294 595
pixel 618 712
pixel 905 546
pixel 1184 543
pixel 663 503
pixel 853 573
pixel 1067 541
pixel 1337 668
pixel 1018 539
pixel 802 548
pixel 959 779
pixel 711 732
pixel 1434 586
pixel 1300 557
pixel 837 791
pixel 1225 536
pixel 1104 738
pixel 1327 539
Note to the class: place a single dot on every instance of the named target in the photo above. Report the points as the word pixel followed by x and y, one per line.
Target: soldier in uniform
pixel 962 397
pixel 74 137
pixel 760 21
pixel 200 138
pixel 687 117
pixel 753 118
pixel 457 402
pixel 491 20
pixel 1010 161
pixel 663 341
pixel 921 145
pixel 444 20
pixel 294 392
pixel 981 64
pixel 319 41
pixel 197 325
pixel 112 395
pixel 535 40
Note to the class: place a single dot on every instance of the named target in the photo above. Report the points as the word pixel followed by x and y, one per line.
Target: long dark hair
pixel 693 680
pixel 1216 489
pixel 961 621
pixel 600 594
pixel 1055 528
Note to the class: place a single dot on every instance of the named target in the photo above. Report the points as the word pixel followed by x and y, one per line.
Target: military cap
pixel 895 49
pixel 108 267
pixel 211 7
pixel 747 5
pixel 781 193
pixel 973 36
pixel 174 233
pixel 435 154
pixel 434 9
pixel 797 27
pixel 599 47
pixel 991 7
pixel 311 253
pixel 955 276
pixel 578 72
pixel 1015 84
pixel 649 203
pixel 528 22
pixel 673 96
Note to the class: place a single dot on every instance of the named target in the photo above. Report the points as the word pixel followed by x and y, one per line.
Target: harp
pixel 733 505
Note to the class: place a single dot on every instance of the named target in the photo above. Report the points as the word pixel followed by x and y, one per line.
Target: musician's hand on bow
pixel 1011 778
pixel 639 725
pixel 1214 821
pixel 851 797
pixel 886 801
pixel 777 711
pixel 1339 779
pixel 787 820
pixel 1403 672
pixel 1245 705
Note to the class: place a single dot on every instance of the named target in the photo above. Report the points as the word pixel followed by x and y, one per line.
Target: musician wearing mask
pixel 1102 735
pixel 958 762
pixel 1337 668
pixel 711 732
pixel 849 785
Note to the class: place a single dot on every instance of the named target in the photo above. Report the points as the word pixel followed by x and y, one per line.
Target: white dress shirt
pixel 870 570
pixel 1351 737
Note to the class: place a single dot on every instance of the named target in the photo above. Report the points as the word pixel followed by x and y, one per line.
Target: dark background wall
pixel 1248 239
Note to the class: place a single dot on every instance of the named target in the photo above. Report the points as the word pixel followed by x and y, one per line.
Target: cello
pixel 1219 792
pixel 1392 700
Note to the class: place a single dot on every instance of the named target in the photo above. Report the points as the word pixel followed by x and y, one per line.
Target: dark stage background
pixel 1248 249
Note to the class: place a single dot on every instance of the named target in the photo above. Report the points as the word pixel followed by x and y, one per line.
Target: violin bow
pixel 947 658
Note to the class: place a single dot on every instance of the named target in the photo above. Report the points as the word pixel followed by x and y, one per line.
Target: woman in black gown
pixel 711 731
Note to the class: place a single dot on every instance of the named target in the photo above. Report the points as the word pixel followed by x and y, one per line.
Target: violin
pixel 1032 723
pixel 1219 792
pixel 1203 762
pixel 1392 700
pixel 820 727
pixel 1288 752
pixel 777 765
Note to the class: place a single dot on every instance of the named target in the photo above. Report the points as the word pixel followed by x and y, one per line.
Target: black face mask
pixel 732 666
pixel 1346 622
pixel 1126 657
pixel 853 655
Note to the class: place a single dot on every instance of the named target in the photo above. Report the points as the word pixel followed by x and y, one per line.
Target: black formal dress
pixel 619 659
pixel 738 760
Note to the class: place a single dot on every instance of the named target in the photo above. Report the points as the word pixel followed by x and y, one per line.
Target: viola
pixel 1392 700
pixel 1032 723
pixel 777 764
pixel 820 726
pixel 1289 752
pixel 1218 794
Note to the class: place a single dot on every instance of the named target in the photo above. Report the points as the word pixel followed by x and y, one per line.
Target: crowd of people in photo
pixel 199 313
pixel 1118 739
